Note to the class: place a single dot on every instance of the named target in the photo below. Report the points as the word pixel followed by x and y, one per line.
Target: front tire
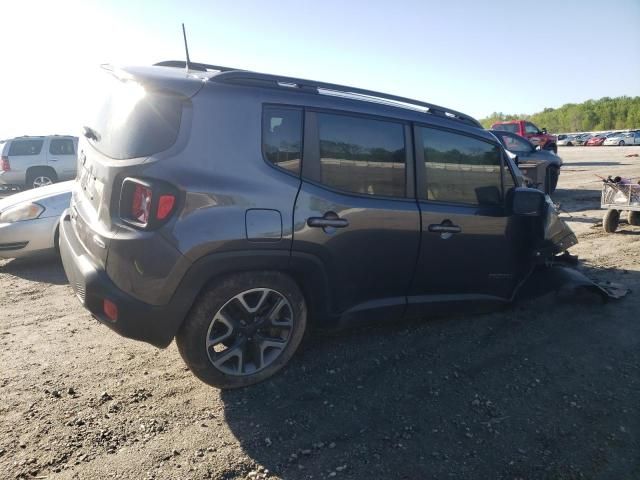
pixel 634 218
pixel 621 143
pixel 611 220
pixel 243 329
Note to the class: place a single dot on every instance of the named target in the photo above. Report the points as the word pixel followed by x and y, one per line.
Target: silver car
pixel 38 161
pixel 623 138
pixel 29 220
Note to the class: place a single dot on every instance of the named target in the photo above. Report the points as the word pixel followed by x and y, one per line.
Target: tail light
pixel 5 164
pixel 146 204
pixel 110 309
pixel 141 204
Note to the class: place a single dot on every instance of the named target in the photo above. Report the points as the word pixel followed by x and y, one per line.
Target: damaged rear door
pixel 471 249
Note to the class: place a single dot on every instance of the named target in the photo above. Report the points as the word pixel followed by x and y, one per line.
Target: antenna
pixel 186 48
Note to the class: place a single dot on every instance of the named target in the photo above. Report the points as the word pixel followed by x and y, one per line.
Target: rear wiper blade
pixel 90 133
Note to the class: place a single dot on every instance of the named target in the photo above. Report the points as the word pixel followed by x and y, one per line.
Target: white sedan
pixel 29 220
pixel 621 139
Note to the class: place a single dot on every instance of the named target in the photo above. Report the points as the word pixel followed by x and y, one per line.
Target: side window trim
pixel 421 171
pixel 311 149
pixel 311 157
pixel 266 107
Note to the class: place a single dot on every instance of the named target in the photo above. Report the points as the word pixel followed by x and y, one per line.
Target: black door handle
pixel 330 219
pixel 446 226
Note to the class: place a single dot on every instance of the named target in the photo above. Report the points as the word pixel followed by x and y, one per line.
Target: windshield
pixel 134 122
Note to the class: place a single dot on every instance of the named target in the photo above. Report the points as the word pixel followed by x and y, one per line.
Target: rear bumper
pixel 153 324
pixel 12 178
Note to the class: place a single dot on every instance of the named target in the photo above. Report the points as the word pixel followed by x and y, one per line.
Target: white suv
pixel 37 161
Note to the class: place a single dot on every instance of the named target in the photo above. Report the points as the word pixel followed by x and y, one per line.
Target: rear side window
pixel 362 155
pixel 531 129
pixel 506 127
pixel 134 122
pixel 461 169
pixel 61 146
pixel 282 137
pixel 25 147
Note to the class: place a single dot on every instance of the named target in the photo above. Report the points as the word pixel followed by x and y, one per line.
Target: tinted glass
pixel 507 127
pixel 25 147
pixel 461 169
pixel 282 137
pixel 516 143
pixel 530 128
pixel 362 155
pixel 133 122
pixel 61 146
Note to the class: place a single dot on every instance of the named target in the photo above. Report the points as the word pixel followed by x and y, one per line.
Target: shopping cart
pixel 619 197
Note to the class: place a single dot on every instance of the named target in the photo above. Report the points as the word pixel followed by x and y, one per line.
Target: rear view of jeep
pixel 143 209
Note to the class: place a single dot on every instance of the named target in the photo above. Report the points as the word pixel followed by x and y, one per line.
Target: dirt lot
pixel 532 392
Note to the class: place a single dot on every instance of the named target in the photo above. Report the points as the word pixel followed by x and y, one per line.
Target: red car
pixel 595 141
pixel 529 131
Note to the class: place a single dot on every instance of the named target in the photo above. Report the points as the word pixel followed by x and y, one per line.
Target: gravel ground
pixel 545 390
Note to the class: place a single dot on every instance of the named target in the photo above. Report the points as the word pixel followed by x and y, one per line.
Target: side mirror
pixel 527 202
pixel 544 130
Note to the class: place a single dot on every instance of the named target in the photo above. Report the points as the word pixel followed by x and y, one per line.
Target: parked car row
pixel 597 139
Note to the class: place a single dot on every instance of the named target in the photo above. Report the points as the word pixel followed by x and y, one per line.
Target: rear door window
pixel 461 169
pixel 282 137
pixel 362 155
pixel 135 122
pixel 61 146
pixel 25 147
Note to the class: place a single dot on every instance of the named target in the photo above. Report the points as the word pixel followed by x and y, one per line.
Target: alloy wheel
pixel 42 181
pixel 249 332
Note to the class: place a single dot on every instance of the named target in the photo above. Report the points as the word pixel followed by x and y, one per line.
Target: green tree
pixel 604 114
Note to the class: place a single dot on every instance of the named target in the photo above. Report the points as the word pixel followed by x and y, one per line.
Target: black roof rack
pixel 245 77
pixel 200 67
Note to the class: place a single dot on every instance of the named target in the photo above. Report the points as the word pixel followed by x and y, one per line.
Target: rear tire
pixel 611 220
pixel 40 177
pixel 634 218
pixel 228 345
pixel 553 173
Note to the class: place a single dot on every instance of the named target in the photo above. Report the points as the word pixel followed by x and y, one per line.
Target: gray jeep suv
pixel 233 210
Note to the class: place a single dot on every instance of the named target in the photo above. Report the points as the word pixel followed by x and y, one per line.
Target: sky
pixel 473 56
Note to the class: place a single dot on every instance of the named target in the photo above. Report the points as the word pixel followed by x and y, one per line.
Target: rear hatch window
pixel 506 127
pixel 134 121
